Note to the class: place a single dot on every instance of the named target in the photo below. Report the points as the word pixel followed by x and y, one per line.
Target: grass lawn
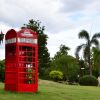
pixel 54 91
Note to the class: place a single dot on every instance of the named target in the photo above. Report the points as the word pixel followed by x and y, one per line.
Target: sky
pixel 63 20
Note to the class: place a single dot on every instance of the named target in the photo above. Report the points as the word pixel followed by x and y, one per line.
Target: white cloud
pixel 18 12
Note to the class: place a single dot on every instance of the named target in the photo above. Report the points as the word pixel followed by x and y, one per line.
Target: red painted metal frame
pixel 21 61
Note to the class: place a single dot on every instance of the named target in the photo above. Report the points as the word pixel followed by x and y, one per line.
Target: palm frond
pixel 78 50
pixel 97 35
pixel 95 42
pixel 84 34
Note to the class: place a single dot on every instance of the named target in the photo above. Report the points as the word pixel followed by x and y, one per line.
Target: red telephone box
pixel 21 61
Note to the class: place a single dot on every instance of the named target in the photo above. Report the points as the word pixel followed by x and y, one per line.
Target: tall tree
pixel 68 65
pixel 43 54
pixel 65 63
pixel 87 47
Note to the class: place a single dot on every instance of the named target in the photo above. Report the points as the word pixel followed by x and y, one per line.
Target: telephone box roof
pixel 21 33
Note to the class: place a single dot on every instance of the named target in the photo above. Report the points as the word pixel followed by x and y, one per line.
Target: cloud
pixel 4 27
pixel 16 13
pixel 74 5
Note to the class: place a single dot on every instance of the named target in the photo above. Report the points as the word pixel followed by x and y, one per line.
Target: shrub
pixel 56 75
pixel 2 76
pixel 88 80
pixel 2 70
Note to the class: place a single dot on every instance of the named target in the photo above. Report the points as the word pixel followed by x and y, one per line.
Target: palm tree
pixel 87 47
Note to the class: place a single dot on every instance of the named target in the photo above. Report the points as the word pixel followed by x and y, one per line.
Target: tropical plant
pixel 87 47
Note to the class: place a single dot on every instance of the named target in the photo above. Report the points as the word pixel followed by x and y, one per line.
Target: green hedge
pixel 88 80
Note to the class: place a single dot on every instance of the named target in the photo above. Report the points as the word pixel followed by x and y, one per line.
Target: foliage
pixel 63 50
pixel 83 68
pixel 56 75
pixel 43 54
pixel 2 72
pixel 87 47
pixel 96 60
pixel 68 65
pixel 88 80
